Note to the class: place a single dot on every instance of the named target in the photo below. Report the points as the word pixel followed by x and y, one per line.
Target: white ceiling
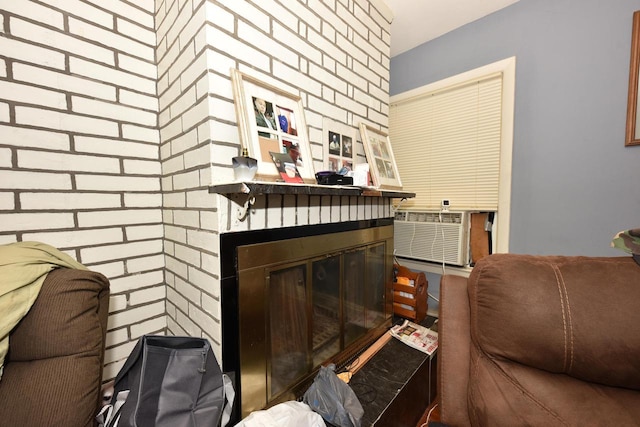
pixel 418 21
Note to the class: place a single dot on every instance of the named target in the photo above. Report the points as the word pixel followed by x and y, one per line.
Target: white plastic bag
pixel 287 414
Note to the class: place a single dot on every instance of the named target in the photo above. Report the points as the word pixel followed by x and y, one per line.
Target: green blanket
pixel 23 268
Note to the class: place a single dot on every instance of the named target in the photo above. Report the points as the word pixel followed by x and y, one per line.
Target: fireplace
pixel 296 298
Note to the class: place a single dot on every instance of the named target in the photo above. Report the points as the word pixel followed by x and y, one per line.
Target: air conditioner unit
pixel 432 236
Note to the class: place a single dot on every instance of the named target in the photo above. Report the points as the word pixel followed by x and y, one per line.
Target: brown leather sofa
pixel 541 341
pixel 53 372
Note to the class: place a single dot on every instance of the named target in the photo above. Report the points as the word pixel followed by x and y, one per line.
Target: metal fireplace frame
pixel 243 357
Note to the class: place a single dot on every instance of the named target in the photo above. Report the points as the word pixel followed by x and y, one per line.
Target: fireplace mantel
pixel 257 188
pixel 244 193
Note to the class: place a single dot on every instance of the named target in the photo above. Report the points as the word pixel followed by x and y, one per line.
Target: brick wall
pixel 79 148
pixel 116 117
pixel 334 54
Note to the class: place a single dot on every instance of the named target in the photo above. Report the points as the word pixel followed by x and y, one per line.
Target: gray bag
pixel 333 399
pixel 169 382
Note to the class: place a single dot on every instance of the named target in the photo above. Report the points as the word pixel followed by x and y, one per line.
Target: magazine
pixel 416 336
pixel 286 167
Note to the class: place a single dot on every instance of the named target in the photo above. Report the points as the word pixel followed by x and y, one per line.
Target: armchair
pixel 53 371
pixel 541 340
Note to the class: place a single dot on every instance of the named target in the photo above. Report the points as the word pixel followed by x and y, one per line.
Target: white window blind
pixel 447 145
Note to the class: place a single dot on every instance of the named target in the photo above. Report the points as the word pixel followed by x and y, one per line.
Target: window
pixel 452 140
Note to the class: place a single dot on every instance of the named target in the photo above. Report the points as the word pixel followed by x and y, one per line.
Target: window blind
pixel 447 145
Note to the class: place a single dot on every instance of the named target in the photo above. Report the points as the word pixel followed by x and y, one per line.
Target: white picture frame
pixel 382 163
pixel 281 127
pixel 339 145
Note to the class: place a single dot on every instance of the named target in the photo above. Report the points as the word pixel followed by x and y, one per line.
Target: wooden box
pixel 413 306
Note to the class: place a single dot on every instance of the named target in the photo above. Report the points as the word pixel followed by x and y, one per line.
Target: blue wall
pixel 574 183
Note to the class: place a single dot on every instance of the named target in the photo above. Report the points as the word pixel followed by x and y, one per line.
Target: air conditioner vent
pixel 432 236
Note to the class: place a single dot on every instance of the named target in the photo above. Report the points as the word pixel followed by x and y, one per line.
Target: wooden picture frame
pixel 382 164
pixel 339 144
pixel 271 120
pixel 633 109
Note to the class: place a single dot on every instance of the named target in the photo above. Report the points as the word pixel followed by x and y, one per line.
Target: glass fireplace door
pixel 307 302
pixel 326 308
pixel 288 327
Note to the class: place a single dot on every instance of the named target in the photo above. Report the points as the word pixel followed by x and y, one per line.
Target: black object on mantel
pixel 397 384
pixel 333 178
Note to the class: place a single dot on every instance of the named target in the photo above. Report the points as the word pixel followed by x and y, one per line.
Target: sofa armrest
pixel 56 354
pixel 453 350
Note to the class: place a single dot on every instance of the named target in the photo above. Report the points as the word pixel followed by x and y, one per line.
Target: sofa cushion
pixel 506 393
pixel 568 315
pixel 54 366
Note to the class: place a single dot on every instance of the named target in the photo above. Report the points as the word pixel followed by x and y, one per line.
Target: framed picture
pixel 339 141
pixel 271 120
pixel 382 164
pixel 633 109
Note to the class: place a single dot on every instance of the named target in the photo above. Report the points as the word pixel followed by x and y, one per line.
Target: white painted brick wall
pixel 289 210
pixel 187 218
pixel 139 133
pixel 178 301
pixel 174 266
pixel 43 160
pixel 83 10
pixel 144 232
pixel 111 75
pixel 141 167
pixel 4 112
pixel 151 326
pixel 118 217
pixel 109 269
pixel 30 116
pixel 12 222
pixel 6 201
pixel 25 94
pixel 147 295
pixel 135 31
pixel 56 39
pixel 199 158
pixel 17 179
pixel 142 200
pixel 81 167
pixel 245 53
pixel 68 201
pixel 24 51
pixel 37 12
pixel 186 180
pixel 134 315
pixel 5 158
pixel 306 14
pixel 137 66
pixel 117 112
pixel 188 255
pixel 90 170
pixel 116 183
pixel 115 147
pixel 134 11
pixel 115 41
pixel 146 263
pixel 77 238
pixel 120 251
pixel 63 82
pixel 135 281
